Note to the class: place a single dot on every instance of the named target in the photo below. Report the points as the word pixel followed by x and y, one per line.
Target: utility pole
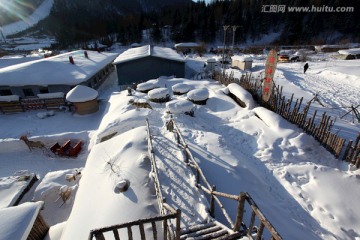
pixel 223 52
pixel 233 40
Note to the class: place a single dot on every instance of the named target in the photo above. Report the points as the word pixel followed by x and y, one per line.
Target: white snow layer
pixel 97 204
pixel 56 70
pixel 242 94
pixel 51 95
pixel 146 51
pixel 10 98
pixel 180 88
pixel 158 93
pixel 151 84
pixel 180 106
pixel 17 222
pixel 81 93
pixel 198 94
pixel 241 58
pixel 352 51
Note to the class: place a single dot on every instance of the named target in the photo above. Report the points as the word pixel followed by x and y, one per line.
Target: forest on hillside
pixel 78 22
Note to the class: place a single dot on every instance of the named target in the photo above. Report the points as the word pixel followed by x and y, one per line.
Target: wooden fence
pixel 298 113
pixel 242 199
pixel 28 104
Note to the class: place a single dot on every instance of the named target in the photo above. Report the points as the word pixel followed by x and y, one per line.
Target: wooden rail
pixel 298 114
pixel 243 198
pixel 98 234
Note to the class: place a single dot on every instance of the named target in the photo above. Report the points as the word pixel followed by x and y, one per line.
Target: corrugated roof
pixel 56 70
pixel 145 51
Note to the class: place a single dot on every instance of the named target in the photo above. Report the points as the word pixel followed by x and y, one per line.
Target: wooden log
pixel 178 224
pixel 356 155
pixel 240 212
pixel 357 164
pixel 212 202
pixel 165 226
pixel 154 229
pixel 142 231
pixel 260 231
pixel 116 234
pixel 130 235
pixel 99 236
pixel 252 222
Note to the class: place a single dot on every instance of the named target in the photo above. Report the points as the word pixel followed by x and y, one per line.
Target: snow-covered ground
pixel 300 187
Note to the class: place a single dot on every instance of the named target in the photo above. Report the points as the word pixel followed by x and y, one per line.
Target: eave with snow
pixel 23 222
pixel 147 62
pixel 187 47
pixel 56 74
pixel 348 54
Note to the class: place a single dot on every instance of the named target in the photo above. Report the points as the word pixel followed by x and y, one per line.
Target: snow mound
pixel 198 94
pixel 180 106
pixel 180 88
pixel 81 93
pixel 146 86
pixel 158 93
pixel 242 94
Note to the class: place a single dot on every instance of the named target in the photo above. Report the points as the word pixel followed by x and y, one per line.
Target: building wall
pixel 147 68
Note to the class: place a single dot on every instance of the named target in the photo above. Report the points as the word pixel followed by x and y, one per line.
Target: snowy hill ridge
pixel 40 13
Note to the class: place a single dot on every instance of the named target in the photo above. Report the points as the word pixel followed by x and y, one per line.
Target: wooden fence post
pixel 178 219
pixel 240 212
pixel 212 202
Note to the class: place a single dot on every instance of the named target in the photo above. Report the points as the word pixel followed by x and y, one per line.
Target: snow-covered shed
pixel 241 62
pixel 147 62
pixel 84 99
pixel 348 54
pixel 23 222
pixel 56 74
pixel 187 47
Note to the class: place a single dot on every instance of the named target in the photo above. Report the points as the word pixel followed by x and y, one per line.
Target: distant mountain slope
pixel 40 13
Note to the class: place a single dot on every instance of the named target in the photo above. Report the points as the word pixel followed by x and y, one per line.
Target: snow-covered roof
pixel 17 222
pixel 12 187
pixel 187 44
pixel 10 98
pixel 242 58
pixel 56 70
pixel 81 93
pixel 146 51
pixel 97 204
pixel 352 51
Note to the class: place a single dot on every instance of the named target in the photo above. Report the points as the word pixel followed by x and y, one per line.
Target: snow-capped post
pixel 71 60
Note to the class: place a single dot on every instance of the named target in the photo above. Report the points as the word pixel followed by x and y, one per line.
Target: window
pixel 28 92
pixel 43 89
pixel 5 92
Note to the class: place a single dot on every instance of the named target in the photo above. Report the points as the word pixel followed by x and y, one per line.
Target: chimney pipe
pixel 86 54
pixel 71 60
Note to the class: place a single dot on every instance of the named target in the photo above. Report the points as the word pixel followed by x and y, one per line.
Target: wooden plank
pixel 260 231
pixel 154 229
pixel 116 234
pixel 130 235
pixel 142 231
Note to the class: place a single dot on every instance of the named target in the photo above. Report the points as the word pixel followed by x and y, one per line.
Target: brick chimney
pixel 71 60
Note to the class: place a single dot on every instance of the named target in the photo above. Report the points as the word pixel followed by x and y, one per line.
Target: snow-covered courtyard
pixel 302 189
